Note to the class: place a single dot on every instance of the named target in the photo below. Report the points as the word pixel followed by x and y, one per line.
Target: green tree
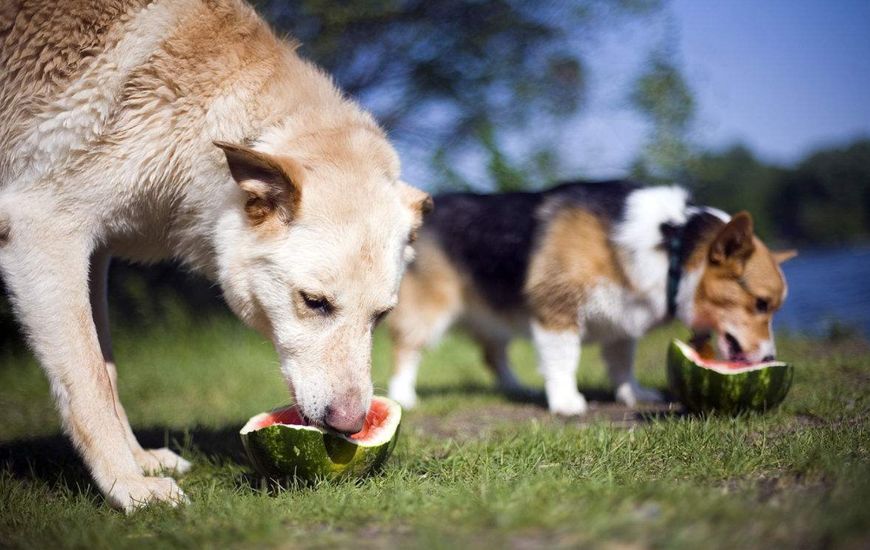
pixel 735 180
pixel 662 94
pixel 826 199
pixel 454 76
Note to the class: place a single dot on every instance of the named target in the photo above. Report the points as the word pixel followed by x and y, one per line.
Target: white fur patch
pixel 612 311
pixel 639 239
pixel 404 381
pixel 694 210
pixel 686 295
pixel 558 357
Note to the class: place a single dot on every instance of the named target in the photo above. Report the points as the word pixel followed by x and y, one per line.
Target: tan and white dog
pixel 186 129
pixel 601 262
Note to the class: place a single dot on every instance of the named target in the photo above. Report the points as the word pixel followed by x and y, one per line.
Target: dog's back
pixel 63 68
pixel 146 82
pixel 43 48
pixel 491 238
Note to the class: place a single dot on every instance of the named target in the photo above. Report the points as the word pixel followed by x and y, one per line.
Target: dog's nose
pixel 344 418
pixel 767 358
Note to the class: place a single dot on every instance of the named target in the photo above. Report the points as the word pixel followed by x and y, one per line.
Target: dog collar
pixel 674 244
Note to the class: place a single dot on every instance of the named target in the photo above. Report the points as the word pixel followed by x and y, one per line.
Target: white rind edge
pixel 394 417
pixel 250 425
pixel 693 356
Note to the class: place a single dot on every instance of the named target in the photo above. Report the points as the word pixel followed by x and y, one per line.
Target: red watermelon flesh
pixel 703 360
pixel 289 416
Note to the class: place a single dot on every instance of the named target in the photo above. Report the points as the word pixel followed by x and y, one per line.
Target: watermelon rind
pixel 309 453
pixel 705 386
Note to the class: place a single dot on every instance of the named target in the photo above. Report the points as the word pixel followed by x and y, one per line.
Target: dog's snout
pixel 345 418
pixel 767 358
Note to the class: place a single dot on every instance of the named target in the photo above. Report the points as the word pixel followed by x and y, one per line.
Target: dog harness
pixel 674 246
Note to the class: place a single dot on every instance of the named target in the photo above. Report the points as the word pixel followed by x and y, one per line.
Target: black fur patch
pixel 492 237
pixel 696 230
pixel 605 199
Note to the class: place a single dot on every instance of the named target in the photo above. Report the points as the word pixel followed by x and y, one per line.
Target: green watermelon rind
pixel 308 453
pixel 729 391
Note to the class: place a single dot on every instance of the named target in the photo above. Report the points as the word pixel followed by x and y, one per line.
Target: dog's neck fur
pixel 697 233
pixel 644 254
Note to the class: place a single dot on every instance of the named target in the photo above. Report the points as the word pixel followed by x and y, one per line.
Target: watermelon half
pixel 281 443
pixel 709 385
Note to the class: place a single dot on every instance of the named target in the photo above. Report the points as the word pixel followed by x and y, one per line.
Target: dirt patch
pixel 482 421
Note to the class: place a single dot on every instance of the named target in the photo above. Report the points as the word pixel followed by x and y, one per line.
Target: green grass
pixel 471 468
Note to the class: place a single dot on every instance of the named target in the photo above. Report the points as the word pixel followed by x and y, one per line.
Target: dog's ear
pixel 733 245
pixel 271 183
pixel 420 204
pixel 781 256
pixel 418 201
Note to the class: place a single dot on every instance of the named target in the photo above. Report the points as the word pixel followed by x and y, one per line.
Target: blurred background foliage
pixel 451 76
pixel 460 83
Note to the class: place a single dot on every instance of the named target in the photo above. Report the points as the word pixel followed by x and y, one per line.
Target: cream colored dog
pixel 185 129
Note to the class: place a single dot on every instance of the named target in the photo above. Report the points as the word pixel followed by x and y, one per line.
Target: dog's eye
pixel 762 305
pixel 317 303
pixel 376 320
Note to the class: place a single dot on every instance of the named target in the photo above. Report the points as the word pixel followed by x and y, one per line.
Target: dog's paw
pixel 566 400
pixel 153 461
pixel 630 394
pixel 403 394
pixel 131 494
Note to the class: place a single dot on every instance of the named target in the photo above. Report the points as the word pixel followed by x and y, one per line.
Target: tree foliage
pixel 827 197
pixel 448 75
pixel 824 200
pixel 662 94
pixel 735 180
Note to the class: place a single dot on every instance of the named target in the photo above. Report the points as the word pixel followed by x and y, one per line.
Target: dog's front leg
pixel 150 460
pixel 619 357
pixel 45 266
pixel 558 356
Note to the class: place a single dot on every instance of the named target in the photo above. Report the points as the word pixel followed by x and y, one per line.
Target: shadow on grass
pixel 53 460
pixel 531 396
pixel 478 419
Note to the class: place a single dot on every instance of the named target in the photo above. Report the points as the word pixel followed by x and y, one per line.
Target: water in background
pixel 827 289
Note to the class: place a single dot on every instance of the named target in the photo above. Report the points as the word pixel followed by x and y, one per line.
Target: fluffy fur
pixel 582 262
pixel 186 129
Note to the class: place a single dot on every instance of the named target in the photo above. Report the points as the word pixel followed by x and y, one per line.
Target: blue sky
pixel 782 76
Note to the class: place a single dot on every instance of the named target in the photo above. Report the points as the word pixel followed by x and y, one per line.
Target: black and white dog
pixel 602 262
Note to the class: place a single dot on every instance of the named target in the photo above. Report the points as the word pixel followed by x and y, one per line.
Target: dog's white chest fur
pixel 614 311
